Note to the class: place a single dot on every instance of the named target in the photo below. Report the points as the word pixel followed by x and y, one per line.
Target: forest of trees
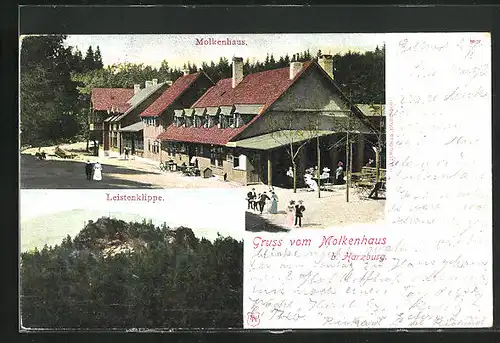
pixel 56 82
pixel 172 280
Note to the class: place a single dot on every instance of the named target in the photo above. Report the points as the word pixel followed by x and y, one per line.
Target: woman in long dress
pixel 273 209
pixel 97 171
pixel 290 214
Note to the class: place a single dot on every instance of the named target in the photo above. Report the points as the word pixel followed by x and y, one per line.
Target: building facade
pixel 160 114
pixel 252 128
pixel 105 103
pixel 123 129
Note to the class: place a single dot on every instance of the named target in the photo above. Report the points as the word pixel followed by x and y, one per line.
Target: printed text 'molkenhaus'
pixel 213 41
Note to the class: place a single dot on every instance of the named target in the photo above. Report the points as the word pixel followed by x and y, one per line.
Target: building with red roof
pixel 104 103
pixel 160 113
pixel 115 120
pixel 246 128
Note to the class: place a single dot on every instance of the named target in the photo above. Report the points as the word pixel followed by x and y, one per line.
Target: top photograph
pixel 291 111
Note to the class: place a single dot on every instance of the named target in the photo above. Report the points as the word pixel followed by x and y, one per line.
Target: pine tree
pixel 88 61
pixel 272 62
pixel 164 72
pixel 49 98
pixel 287 60
pixel 98 59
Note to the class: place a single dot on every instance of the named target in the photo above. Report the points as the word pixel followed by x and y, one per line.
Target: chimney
pixel 137 88
pixel 149 84
pixel 155 82
pixel 326 62
pixel 237 70
pixel 185 72
pixel 295 67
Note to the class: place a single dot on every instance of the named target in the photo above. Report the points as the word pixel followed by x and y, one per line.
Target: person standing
pixel 274 203
pixel 88 170
pixel 290 214
pixel 262 201
pixel 251 198
pixel 97 171
pixel 289 174
pixel 339 174
pixel 299 210
pixel 126 153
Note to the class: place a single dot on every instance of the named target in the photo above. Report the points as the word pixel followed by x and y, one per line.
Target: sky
pixel 179 49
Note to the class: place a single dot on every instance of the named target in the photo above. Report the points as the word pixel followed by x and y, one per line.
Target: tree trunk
pixel 319 167
pixel 350 164
pixel 294 177
pixel 377 161
pixel 346 161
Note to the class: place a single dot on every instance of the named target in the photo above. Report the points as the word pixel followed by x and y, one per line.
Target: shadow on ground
pixel 255 223
pixel 69 174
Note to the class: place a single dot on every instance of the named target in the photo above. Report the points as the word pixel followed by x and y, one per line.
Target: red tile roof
pixel 214 95
pixel 104 99
pixel 203 135
pixel 170 95
pixel 258 88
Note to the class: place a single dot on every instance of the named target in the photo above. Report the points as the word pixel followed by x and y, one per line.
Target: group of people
pixel 311 174
pixel 40 155
pixel 294 214
pixel 93 171
pixel 257 202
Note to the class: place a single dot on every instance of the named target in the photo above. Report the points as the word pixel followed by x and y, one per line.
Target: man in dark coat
pixel 251 198
pixel 88 170
pixel 262 201
pixel 299 209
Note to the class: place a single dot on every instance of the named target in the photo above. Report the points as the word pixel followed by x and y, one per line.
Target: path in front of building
pixel 118 173
pixel 328 211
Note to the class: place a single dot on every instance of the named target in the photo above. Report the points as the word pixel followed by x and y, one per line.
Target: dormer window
pixel 188 117
pixel 215 121
pixel 178 121
pixel 198 121
pixel 244 113
pixel 226 118
pixel 211 117
pixel 199 114
pixel 223 122
pixel 231 121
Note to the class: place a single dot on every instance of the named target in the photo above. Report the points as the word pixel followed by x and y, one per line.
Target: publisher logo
pixel 253 318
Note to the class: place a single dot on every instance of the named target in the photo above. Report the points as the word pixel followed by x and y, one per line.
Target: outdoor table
pixel 323 180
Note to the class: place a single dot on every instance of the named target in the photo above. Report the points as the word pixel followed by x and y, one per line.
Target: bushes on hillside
pixel 164 278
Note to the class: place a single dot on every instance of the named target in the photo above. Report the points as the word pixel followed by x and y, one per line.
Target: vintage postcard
pixel 255 181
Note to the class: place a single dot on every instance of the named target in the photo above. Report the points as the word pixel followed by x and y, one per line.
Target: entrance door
pixel 105 138
pixel 254 168
pixel 190 152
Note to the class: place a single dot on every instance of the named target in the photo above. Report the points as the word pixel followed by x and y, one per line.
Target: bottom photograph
pixel 86 268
